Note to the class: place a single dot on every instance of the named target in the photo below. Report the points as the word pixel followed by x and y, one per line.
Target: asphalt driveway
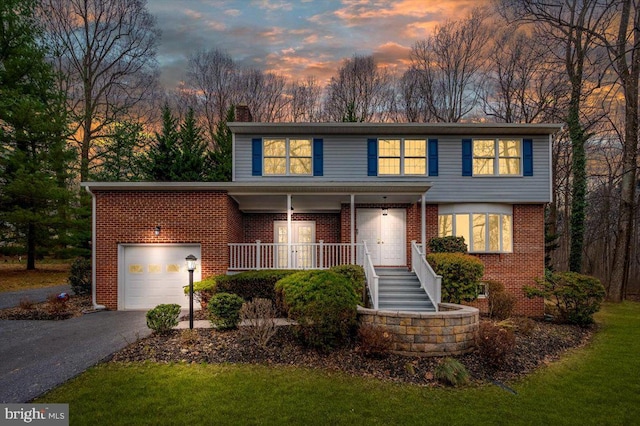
pixel 36 356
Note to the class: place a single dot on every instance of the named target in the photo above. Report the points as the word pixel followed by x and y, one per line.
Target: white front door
pixel 384 231
pixel 302 252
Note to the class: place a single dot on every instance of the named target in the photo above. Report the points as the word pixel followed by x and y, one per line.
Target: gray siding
pixel 345 160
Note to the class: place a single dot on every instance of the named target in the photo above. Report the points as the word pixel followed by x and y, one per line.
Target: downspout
pixel 93 251
pixel 423 224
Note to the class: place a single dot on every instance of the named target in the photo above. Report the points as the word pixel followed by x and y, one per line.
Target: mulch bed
pixel 543 343
pixel 50 310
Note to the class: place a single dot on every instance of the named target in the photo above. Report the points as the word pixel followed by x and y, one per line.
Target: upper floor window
pixel 402 156
pixel 497 157
pixel 485 228
pixel 287 156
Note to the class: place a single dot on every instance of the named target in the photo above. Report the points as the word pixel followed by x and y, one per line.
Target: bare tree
pixel 413 102
pixel 360 92
pixel 305 105
pixel 211 81
pixel 263 93
pixel 522 84
pixel 449 64
pixel 104 51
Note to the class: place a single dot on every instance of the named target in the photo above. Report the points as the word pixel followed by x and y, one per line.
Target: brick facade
pixel 213 219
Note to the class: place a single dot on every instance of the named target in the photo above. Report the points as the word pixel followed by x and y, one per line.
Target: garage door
pixel 155 274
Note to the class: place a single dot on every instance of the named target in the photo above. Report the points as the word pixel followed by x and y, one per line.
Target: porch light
pixel 191 266
pixel 385 211
pixel 156 230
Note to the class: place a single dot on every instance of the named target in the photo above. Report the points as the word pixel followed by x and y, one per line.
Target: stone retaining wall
pixel 450 331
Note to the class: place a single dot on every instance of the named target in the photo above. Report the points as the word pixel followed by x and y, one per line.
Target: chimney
pixel 243 114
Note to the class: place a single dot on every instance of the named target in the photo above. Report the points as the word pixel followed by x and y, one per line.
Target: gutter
pixel 93 252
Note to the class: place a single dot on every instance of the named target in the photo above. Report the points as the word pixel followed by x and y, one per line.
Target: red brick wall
pixel 185 217
pixel 259 226
pixel 520 268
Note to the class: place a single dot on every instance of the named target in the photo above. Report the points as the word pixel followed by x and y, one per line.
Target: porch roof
pixel 272 196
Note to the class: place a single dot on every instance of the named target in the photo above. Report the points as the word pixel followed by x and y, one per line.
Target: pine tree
pixel 159 161
pixel 33 155
pixel 189 165
pixel 220 158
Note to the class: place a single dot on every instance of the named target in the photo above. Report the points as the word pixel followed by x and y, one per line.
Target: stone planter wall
pixel 450 331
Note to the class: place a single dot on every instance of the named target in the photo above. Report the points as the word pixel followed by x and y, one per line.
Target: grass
pixel 596 385
pixel 14 276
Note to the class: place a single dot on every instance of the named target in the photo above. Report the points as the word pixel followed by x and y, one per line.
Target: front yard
pixel 14 276
pixel 597 384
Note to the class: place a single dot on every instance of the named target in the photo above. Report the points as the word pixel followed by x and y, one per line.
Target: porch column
pixel 289 213
pixel 423 224
pixel 353 229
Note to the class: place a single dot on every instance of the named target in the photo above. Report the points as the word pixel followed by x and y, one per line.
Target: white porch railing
pixel 370 274
pixel 320 255
pixel 429 281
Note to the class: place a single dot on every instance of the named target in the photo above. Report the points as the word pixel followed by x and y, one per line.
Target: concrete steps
pixel 399 290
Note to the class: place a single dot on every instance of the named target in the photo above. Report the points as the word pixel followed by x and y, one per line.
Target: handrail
pixel 429 280
pixel 370 274
pixel 259 255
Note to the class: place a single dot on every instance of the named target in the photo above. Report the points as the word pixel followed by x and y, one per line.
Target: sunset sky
pixel 296 38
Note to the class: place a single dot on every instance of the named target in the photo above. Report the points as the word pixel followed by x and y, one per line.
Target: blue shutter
pixel 527 157
pixel 467 157
pixel 317 157
pixel 372 157
pixel 256 157
pixel 433 157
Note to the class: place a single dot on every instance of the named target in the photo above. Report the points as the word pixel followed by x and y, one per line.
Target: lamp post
pixel 191 266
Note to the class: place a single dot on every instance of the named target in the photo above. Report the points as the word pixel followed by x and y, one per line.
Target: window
pixel 500 157
pixel 402 156
pixel 485 228
pixel 286 156
pixel 482 290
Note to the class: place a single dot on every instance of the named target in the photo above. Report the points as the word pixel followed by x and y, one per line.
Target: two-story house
pixel 313 195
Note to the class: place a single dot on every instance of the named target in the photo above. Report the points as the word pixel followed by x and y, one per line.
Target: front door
pixel 302 255
pixel 384 232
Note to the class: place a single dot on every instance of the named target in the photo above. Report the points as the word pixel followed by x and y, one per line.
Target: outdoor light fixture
pixel 156 230
pixel 385 211
pixel 191 266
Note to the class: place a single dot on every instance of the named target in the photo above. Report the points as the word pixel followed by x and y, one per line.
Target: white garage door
pixel 155 274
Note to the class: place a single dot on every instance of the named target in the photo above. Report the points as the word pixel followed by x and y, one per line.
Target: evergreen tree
pixel 220 158
pixel 189 165
pixel 33 155
pixel 121 154
pixel 159 161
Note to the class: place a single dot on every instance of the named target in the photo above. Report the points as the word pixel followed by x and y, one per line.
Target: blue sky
pixel 296 38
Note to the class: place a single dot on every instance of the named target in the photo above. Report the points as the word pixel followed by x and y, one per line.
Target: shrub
pixel 163 317
pixel 80 276
pixel 494 343
pixel 576 297
pixel 57 306
pixel 448 245
pixel 323 303
pixel 460 275
pixel 451 372
pixel 259 318
pixel 374 341
pixel 27 304
pixel 225 310
pixel 501 303
pixel 252 284
pixel 203 290
pixel 355 274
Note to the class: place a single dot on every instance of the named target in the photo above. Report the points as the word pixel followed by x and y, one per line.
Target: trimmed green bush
pixel 355 274
pixel 450 371
pixel 501 303
pixel 225 310
pixel 163 317
pixel 460 275
pixel 323 303
pixel 252 284
pixel 577 297
pixel 448 245
pixel 203 290
pixel 80 276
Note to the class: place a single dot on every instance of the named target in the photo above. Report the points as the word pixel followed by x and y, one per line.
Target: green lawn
pixel 597 385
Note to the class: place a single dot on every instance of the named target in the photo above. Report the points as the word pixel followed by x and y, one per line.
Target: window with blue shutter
pixel 433 157
pixel 467 157
pixel 256 157
pixel 317 157
pixel 527 157
pixel 372 157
